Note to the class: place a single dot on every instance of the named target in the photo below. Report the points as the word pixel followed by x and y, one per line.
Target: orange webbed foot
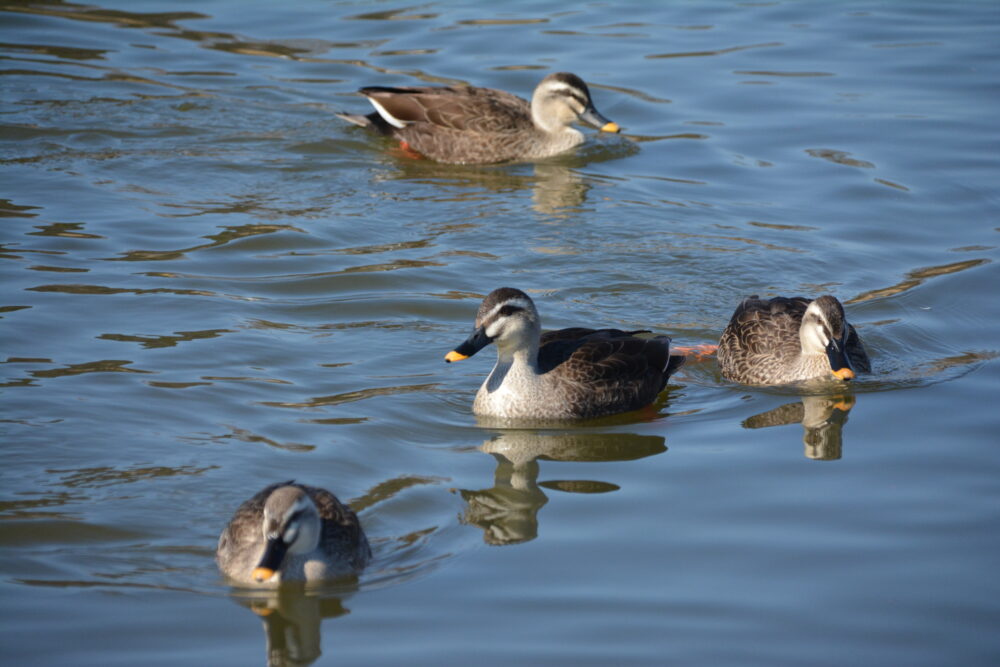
pixel 695 352
pixel 405 150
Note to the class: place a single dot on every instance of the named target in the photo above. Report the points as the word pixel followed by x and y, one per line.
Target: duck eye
pixel 507 311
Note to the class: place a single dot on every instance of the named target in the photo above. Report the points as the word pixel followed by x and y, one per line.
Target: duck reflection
pixel 822 418
pixel 507 512
pixel 291 616
pixel 556 188
pixel 558 185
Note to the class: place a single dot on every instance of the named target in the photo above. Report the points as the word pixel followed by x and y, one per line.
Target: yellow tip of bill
pixel 262 573
pixel 843 374
pixel 454 356
pixel 611 127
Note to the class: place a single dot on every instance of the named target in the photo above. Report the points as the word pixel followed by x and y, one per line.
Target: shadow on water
pixel 507 512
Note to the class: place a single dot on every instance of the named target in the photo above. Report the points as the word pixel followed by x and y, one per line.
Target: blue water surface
pixel 211 283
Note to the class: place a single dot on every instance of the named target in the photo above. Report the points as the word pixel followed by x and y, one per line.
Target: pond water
pixel 211 283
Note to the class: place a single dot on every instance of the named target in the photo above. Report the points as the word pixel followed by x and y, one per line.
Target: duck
pixel 784 340
pixel 292 532
pixel 472 125
pixel 574 373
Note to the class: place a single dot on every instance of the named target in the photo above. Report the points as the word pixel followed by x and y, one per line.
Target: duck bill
pixel 839 365
pixel 477 341
pixel 270 562
pixel 592 117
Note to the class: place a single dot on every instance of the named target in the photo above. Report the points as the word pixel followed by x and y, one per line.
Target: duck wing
pixel 607 367
pixel 340 524
pixel 465 108
pixel 764 327
pixel 242 532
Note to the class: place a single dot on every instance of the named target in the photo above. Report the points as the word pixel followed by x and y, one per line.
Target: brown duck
pixel 470 125
pixel 784 340
pixel 292 532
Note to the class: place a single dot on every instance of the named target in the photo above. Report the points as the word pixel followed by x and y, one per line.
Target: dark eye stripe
pixel 509 310
pixel 573 95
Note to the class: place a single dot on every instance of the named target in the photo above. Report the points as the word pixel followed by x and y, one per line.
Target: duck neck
pixel 812 365
pixel 308 537
pixel 518 365
pixel 556 131
pixel 548 120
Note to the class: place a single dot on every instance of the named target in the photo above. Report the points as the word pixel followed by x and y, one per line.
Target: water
pixel 211 283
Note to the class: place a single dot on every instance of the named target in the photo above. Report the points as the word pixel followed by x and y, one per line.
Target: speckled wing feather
pixel 340 526
pixel 461 125
pixel 606 370
pixel 761 335
pixel 465 109
pixel 242 533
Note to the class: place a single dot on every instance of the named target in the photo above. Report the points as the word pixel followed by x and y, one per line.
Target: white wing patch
pixel 386 116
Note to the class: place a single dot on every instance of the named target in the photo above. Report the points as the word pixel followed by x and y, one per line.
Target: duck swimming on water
pixel 784 340
pixel 565 374
pixel 292 532
pixel 470 125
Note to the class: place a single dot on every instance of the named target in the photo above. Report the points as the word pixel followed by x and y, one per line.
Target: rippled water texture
pixel 210 283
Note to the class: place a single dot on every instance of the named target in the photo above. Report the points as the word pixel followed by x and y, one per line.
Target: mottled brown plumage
pixel 565 374
pixel 785 340
pixel 471 125
pixel 341 546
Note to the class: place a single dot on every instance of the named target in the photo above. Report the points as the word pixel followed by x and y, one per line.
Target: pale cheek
pixel 817 340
